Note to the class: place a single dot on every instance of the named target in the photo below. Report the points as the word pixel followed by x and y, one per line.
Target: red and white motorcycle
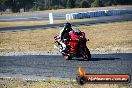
pixel 76 47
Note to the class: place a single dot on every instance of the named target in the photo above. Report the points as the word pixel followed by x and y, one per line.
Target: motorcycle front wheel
pixel 86 54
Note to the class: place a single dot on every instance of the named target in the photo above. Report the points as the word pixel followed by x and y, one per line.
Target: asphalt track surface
pixel 96 20
pixel 41 66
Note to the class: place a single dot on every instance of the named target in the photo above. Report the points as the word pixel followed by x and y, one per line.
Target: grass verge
pixel 36 23
pixel 112 36
pixel 19 83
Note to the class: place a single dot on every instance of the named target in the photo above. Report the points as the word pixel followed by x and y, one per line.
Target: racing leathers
pixel 64 33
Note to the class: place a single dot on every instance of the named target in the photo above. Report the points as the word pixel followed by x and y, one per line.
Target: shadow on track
pixel 98 59
pixel 95 59
pixel 104 57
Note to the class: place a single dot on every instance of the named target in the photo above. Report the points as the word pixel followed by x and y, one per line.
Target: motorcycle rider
pixel 64 34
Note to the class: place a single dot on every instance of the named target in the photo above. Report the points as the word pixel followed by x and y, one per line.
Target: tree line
pixel 16 5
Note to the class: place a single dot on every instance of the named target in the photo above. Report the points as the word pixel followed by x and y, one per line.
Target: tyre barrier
pixel 98 13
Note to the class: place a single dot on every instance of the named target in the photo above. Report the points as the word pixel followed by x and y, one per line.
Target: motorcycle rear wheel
pixel 66 57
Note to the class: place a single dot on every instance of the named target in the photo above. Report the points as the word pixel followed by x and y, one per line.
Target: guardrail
pixel 98 13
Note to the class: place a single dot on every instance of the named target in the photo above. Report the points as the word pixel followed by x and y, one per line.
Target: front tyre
pixel 86 54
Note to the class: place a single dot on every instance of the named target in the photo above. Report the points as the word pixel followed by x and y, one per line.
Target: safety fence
pixel 98 13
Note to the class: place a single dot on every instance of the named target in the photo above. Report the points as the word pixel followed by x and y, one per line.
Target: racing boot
pixel 64 52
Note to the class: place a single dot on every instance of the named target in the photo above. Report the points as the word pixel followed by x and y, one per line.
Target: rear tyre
pixel 66 57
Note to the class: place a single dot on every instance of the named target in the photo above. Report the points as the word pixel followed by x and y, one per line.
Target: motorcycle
pixel 75 46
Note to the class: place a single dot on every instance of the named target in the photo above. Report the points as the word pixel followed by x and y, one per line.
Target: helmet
pixel 67 25
pixel 76 31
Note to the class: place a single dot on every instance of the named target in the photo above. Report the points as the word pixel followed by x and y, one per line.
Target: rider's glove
pixel 64 40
